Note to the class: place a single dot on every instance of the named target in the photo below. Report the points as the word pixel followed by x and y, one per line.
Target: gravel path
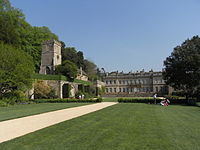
pixel 18 127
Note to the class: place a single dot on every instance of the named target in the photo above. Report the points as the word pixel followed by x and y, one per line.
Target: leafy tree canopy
pixel 71 54
pixel 91 69
pixel 77 57
pixel 16 68
pixel 182 67
pixel 68 69
pixel 16 31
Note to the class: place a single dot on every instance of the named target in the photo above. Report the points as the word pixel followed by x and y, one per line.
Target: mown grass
pixel 110 99
pixel 17 111
pixel 120 127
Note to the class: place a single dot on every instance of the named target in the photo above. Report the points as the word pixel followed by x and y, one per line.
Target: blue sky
pixel 124 35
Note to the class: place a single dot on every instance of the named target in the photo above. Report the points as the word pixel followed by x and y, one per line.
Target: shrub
pixel 99 99
pixel 41 89
pixel 178 93
pixel 138 100
pixel 9 101
pixel 3 103
pixel 182 100
pixel 52 94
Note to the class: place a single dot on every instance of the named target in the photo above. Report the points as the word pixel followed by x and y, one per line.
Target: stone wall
pixel 56 85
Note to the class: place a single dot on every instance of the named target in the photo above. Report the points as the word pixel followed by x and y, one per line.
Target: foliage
pixel 138 100
pixel 11 20
pixel 3 103
pixel 77 57
pixel 42 90
pixel 52 94
pixel 182 67
pixel 182 100
pixel 71 54
pixel 90 69
pixel 101 90
pixel 16 31
pixel 178 93
pixel 89 93
pixel 68 69
pixel 16 68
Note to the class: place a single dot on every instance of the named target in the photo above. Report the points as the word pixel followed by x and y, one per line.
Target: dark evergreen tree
pixel 182 67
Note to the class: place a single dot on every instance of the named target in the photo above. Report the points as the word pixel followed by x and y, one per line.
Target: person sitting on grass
pixel 165 102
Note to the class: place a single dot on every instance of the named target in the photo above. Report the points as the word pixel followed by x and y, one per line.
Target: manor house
pixel 135 84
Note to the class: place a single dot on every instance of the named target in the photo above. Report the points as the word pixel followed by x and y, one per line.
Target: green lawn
pixel 110 99
pixel 17 111
pixel 120 127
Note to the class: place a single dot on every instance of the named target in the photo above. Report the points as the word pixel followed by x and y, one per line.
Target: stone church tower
pixel 51 56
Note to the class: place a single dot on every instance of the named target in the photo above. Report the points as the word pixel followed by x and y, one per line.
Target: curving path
pixel 18 127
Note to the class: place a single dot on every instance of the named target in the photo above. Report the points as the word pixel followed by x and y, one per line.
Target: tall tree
pixel 16 68
pixel 68 69
pixel 182 67
pixel 91 69
pixel 69 53
pixel 16 31
pixel 11 20
pixel 80 59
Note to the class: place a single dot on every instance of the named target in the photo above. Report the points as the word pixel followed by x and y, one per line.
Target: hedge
pixel 48 77
pixel 96 100
pixel 138 100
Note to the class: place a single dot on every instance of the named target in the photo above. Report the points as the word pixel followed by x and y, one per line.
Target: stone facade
pixel 51 56
pixel 135 84
pixel 58 85
pixel 82 75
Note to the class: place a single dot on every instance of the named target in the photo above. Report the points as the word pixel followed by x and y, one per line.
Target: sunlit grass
pixel 17 111
pixel 120 127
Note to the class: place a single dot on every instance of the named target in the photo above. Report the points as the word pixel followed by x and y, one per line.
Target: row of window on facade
pixel 115 90
pixel 144 89
pixel 125 82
